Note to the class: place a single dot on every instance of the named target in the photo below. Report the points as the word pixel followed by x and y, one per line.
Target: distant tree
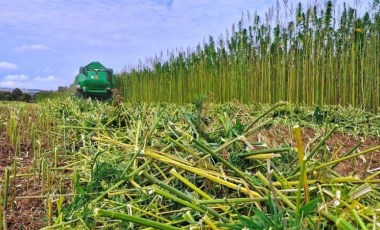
pixel 8 97
pixel 62 88
pixel 26 97
pixel 17 94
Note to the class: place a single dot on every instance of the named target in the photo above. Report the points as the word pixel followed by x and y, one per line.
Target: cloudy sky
pixel 43 43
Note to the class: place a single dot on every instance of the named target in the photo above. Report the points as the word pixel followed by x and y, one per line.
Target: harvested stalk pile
pixel 164 166
pixel 172 167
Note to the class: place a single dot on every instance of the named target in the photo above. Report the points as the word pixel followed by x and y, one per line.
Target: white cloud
pixel 36 47
pixel 8 65
pixel 15 81
pixel 16 77
pixel 7 84
pixel 23 81
pixel 44 79
pixel 15 84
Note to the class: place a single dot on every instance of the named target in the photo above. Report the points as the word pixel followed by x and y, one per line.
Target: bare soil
pixel 22 213
pixel 338 144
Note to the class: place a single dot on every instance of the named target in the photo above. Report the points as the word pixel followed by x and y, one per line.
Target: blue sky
pixel 43 43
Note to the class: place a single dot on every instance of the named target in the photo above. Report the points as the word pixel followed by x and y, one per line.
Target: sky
pixel 43 43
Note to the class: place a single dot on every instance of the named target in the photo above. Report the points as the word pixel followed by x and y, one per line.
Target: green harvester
pixel 95 80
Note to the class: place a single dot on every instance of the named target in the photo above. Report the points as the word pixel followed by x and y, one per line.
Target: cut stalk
pixel 189 184
pixel 358 219
pixel 210 223
pixel 192 186
pixel 131 175
pixel 179 200
pixel 282 196
pixel 1 206
pixel 238 200
pixel 318 147
pixel 135 219
pixel 6 188
pixel 349 152
pixel 202 173
pixel 225 162
pixel 275 150
pixel 182 196
pixel 5 199
pixel 370 150
pixel 339 221
pixel 303 176
pixel 264 114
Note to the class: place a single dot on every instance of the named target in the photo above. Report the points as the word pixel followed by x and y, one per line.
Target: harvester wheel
pixel 109 94
pixel 78 94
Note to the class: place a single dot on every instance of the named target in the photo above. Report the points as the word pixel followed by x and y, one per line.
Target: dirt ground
pixel 22 213
pixel 338 144
pixel 30 213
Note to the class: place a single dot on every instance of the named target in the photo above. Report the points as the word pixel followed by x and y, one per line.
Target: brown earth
pixel 338 144
pixel 22 213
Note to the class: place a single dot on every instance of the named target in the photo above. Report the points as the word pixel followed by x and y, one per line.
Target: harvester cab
pixel 95 80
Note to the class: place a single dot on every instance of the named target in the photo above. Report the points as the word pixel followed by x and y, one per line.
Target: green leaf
pixel 249 223
pixel 263 217
pixel 308 208
pixel 272 206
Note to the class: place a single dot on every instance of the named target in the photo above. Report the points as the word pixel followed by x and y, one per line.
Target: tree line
pixel 15 95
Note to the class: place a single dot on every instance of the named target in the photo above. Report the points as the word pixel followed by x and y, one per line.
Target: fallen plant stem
pixel 135 219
